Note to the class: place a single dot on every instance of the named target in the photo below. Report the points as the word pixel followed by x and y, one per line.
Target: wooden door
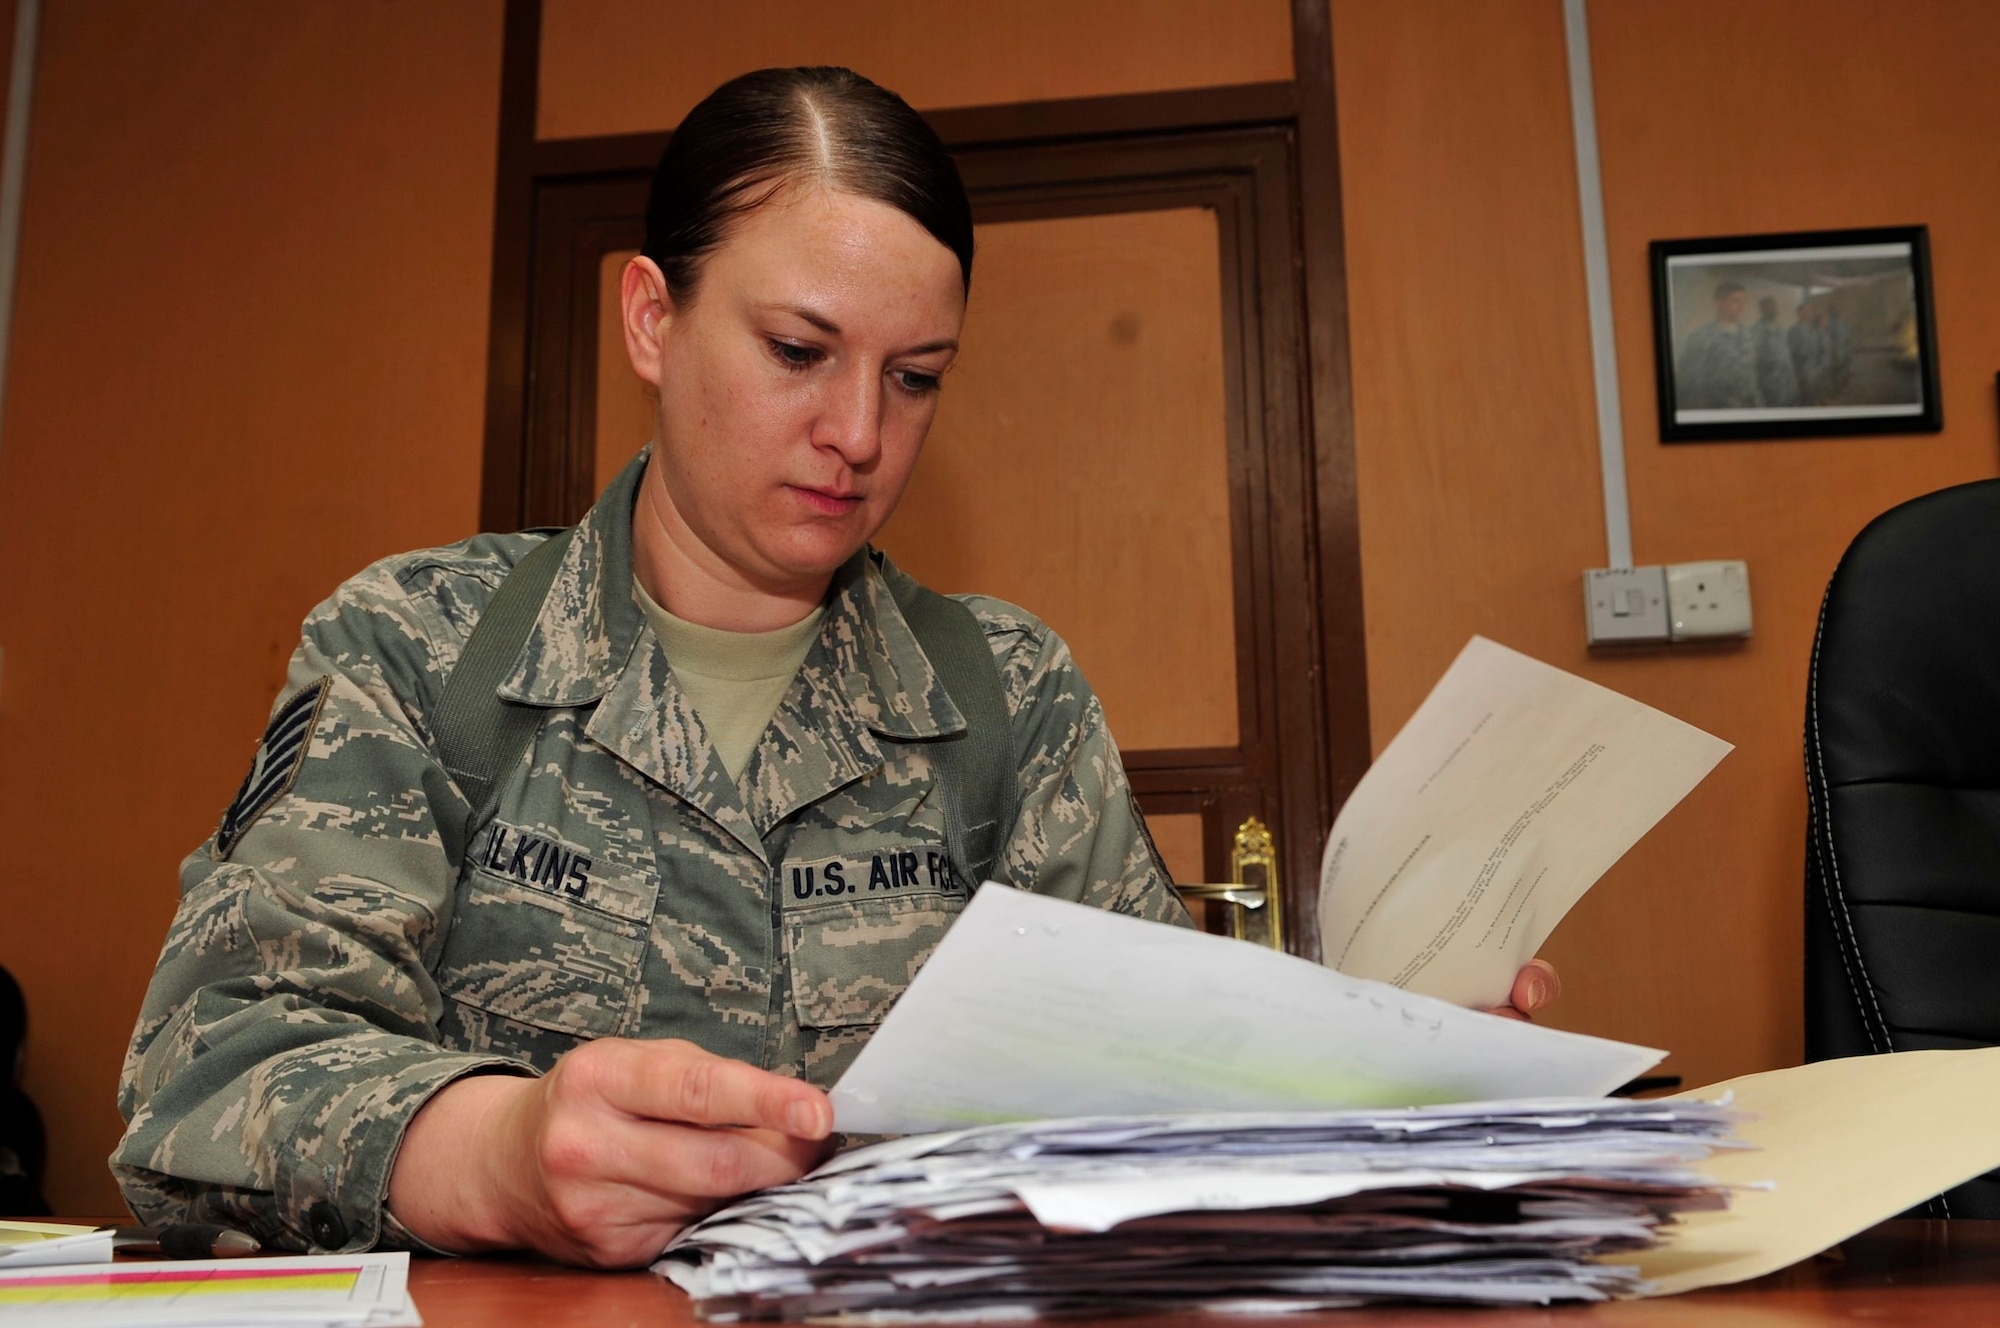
pixel 1122 449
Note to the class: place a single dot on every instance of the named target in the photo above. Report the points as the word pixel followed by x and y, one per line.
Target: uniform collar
pixel 864 680
pixel 873 656
pixel 583 638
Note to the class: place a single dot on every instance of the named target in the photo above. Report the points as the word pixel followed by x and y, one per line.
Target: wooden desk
pixel 1916 1273
pixel 1899 1273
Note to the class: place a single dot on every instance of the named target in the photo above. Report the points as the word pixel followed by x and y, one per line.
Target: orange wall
pixel 249 342
pixel 249 357
pixel 618 66
pixel 1476 441
pixel 249 353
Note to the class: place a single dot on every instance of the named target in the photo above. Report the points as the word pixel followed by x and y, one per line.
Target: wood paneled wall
pixel 624 66
pixel 248 359
pixel 1476 440
pixel 249 353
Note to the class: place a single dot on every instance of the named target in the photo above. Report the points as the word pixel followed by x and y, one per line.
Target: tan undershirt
pixel 735 680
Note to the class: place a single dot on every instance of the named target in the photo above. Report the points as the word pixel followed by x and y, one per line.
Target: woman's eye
pixel 792 356
pixel 916 383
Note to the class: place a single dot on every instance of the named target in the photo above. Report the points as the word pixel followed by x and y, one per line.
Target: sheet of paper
pixel 1034 1007
pixel 39 1244
pixel 1161 1189
pixel 1509 792
pixel 1848 1143
pixel 357 1290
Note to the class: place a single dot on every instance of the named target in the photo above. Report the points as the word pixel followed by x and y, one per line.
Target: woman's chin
pixel 809 562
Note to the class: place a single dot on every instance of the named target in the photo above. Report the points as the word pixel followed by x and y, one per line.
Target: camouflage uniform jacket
pixel 333 961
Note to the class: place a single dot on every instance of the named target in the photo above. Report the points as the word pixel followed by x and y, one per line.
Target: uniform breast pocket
pixel 856 936
pixel 557 945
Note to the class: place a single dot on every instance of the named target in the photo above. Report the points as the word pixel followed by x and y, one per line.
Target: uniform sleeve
pixel 1079 834
pixel 290 1030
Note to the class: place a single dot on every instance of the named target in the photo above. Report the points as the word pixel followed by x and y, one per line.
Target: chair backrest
pixel 23 1145
pixel 1902 749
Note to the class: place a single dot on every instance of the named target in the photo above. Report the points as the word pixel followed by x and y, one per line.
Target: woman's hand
pixel 1535 987
pixel 603 1159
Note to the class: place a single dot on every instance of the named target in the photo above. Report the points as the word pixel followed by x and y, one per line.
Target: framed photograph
pixel 1795 335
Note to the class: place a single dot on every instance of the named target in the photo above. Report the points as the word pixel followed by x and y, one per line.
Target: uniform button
pixel 328 1231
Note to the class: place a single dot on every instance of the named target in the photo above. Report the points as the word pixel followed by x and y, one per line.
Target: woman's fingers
pixel 690 1166
pixel 1536 986
pixel 677 1081
pixel 632 1140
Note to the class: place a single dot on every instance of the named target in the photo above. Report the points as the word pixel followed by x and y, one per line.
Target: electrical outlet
pixel 1708 601
pixel 1625 606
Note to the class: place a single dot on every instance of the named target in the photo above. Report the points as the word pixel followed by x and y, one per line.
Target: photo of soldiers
pixel 1764 339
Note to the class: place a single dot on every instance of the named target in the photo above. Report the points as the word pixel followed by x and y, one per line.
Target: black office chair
pixel 23 1146
pixel 1903 787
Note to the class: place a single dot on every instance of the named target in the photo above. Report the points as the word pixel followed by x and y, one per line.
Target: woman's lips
pixel 829 501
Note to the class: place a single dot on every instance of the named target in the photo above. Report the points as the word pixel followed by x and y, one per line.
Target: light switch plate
pixel 1625 606
pixel 1708 601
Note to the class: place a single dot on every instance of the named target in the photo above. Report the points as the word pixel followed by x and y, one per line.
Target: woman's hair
pixel 824 125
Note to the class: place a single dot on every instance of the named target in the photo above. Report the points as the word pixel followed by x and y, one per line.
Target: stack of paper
pixel 1483 1203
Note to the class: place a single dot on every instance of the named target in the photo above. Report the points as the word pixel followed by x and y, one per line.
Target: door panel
pixel 1079 465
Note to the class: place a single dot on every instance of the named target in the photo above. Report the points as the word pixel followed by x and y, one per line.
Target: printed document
pixel 1509 792
pixel 1035 1007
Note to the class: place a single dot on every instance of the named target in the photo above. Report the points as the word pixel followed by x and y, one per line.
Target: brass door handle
pixel 1256 909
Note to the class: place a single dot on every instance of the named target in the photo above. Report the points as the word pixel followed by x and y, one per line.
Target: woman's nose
pixel 850 420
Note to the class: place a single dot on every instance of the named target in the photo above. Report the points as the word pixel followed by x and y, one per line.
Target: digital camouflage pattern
pixel 1717 369
pixel 345 956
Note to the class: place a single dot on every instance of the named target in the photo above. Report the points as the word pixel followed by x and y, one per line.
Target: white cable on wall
pixel 14 170
pixel 1597 286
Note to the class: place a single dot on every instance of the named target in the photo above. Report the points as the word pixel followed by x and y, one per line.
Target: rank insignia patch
pixel 279 757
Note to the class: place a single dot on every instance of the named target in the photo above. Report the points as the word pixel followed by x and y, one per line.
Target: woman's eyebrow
pixel 813 316
pixel 832 329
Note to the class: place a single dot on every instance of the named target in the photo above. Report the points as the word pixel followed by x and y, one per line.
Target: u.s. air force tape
pixel 279 757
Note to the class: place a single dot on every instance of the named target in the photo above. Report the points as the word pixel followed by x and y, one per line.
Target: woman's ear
pixel 648 312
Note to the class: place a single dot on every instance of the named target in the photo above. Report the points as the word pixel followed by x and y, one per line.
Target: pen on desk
pixel 184 1240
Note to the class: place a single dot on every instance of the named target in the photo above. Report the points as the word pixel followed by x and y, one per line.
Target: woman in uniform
pixel 573 1010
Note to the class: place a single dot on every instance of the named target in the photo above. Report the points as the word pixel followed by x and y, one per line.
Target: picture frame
pixel 1794 335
